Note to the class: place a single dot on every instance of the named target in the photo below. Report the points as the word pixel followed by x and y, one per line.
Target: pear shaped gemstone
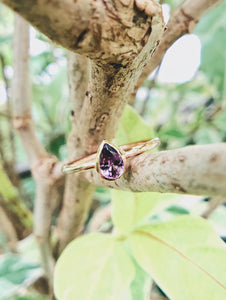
pixel 111 165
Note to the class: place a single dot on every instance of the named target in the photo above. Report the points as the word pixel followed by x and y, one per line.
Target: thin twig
pixel 8 231
pixel 213 203
pixel 100 216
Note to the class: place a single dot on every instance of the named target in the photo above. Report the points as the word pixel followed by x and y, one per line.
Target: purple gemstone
pixel 111 163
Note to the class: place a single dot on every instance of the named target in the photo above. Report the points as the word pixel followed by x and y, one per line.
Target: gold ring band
pixel 110 160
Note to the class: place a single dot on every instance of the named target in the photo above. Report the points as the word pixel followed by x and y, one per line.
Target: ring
pixel 110 160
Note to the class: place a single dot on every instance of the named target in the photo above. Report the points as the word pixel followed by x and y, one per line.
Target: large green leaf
pixel 132 128
pixel 93 267
pixel 129 209
pixel 185 257
pixel 30 297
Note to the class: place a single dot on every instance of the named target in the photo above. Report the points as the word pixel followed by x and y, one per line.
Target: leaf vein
pixel 150 235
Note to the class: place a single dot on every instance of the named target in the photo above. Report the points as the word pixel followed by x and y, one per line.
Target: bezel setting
pixel 113 168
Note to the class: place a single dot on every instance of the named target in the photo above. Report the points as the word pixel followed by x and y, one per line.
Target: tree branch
pixel 182 21
pixel 63 22
pixel 198 170
pixel 44 167
pixel 111 78
pixel 22 93
pixel 78 192
pixel 93 28
pixel 78 77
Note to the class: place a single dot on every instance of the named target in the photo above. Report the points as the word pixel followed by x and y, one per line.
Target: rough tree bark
pixel 119 37
pixel 78 192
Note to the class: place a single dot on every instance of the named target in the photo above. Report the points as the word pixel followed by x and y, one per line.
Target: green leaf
pixel 129 209
pixel 13 272
pixel 173 132
pixel 30 297
pixel 93 267
pixel 132 128
pixel 211 31
pixel 207 135
pixel 5 39
pixel 14 269
pixel 185 257
pixel 41 61
pixel 177 210
pixel 219 121
pixel 141 284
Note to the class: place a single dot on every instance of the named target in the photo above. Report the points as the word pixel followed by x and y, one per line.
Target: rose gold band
pixel 129 150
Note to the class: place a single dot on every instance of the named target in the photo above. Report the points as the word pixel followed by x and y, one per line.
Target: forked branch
pixel 105 83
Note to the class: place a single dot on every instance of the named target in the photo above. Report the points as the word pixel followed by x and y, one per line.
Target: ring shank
pixel 130 150
pixel 137 148
pixel 81 164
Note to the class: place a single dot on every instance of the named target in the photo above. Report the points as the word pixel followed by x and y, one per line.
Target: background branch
pixel 182 21
pixel 213 203
pixel 8 231
pixel 198 170
pixel 44 167
pixel 100 216
pixel 9 157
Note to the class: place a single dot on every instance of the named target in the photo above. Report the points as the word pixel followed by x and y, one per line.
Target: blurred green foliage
pixel 193 112
pixel 189 113
pixel 14 272
pixel 211 31
pixel 173 3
